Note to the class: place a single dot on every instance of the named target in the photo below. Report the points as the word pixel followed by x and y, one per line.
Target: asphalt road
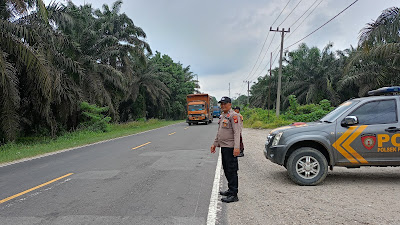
pixel 123 181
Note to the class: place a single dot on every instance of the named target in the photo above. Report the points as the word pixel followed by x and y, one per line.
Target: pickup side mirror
pixel 349 121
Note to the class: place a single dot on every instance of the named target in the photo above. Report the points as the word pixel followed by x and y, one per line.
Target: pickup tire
pixel 307 166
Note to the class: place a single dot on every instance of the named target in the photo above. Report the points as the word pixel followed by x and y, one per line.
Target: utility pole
pixel 229 90
pixel 269 83
pixel 278 94
pixel 248 91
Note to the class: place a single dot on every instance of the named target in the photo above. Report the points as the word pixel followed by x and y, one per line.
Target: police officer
pixel 228 138
pixel 237 110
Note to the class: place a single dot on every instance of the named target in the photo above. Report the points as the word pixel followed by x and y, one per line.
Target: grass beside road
pixel 19 150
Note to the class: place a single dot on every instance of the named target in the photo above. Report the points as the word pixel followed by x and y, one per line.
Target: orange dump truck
pixel 199 109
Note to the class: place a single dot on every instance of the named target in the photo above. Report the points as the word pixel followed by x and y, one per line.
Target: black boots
pixel 225 193
pixel 231 198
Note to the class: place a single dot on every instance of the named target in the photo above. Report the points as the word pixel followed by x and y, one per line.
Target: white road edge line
pixel 212 208
pixel 82 146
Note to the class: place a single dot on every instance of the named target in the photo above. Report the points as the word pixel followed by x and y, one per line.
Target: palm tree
pixel 263 92
pixel 109 45
pixel 146 88
pixel 311 74
pixel 21 62
pixel 376 62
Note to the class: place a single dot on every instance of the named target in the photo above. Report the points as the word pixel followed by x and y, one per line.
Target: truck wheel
pixel 190 124
pixel 307 166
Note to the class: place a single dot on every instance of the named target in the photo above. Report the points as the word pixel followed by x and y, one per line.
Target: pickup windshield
pixel 333 115
pixel 196 107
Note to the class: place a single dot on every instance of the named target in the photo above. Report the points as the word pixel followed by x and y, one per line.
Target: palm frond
pixel 9 99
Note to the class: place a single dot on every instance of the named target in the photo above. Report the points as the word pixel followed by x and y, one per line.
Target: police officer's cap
pixel 225 100
pixel 237 107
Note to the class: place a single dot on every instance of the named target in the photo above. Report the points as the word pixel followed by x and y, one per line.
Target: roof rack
pixel 385 90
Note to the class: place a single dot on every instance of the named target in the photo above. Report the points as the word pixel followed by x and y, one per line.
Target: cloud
pixel 221 40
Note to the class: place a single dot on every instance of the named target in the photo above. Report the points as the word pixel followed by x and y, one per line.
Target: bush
pixel 261 118
pixel 307 113
pixel 93 119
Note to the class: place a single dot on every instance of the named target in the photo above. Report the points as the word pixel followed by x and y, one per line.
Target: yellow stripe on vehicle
pixel 347 143
pixel 339 141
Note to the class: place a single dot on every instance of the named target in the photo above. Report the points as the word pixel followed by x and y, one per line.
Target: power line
pixel 251 76
pixel 266 41
pixel 263 56
pixel 276 56
pixel 280 13
pixel 290 13
pixel 287 37
pixel 277 53
pixel 294 30
pixel 258 56
pixel 270 61
pixel 322 25
pixel 304 13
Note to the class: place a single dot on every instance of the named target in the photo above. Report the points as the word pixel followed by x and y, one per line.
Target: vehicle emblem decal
pixel 368 140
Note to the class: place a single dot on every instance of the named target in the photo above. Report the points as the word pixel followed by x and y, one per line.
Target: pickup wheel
pixel 307 166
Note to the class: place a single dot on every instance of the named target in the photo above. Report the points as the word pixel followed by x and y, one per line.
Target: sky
pixel 221 40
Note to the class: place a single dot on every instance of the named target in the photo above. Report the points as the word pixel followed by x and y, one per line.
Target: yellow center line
pixel 171 133
pixel 34 188
pixel 141 145
pixel 186 128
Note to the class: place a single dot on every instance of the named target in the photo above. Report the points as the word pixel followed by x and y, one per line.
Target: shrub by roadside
pixel 266 119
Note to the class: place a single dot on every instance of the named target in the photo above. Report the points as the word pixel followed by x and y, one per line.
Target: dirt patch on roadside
pixel 367 195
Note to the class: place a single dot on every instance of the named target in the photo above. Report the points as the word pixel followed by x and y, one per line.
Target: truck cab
pixel 216 111
pixel 199 109
pixel 359 132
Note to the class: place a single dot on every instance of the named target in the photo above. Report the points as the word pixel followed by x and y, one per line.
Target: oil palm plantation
pixel 311 74
pixel 108 45
pixel 29 81
pixel 56 57
pixel 376 62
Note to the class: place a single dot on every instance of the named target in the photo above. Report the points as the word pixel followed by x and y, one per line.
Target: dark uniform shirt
pixel 229 129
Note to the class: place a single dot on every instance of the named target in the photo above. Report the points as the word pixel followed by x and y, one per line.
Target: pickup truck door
pixel 375 140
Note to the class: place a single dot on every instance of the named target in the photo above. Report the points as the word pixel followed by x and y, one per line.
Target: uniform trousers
pixel 230 166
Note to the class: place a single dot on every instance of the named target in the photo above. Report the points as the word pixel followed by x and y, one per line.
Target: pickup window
pixel 377 112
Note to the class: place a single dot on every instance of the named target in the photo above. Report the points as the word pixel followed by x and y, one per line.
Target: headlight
pixel 276 139
pixel 269 139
